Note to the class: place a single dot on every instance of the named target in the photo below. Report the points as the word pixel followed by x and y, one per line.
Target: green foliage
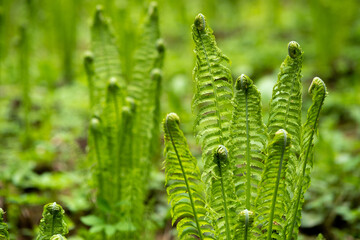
pixel 4 234
pixel 256 191
pixel 125 126
pixel 52 222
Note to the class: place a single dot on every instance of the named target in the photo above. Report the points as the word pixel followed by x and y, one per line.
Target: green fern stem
pixel 243 82
pixel 315 83
pixel 183 172
pixel 220 155
pixel 272 209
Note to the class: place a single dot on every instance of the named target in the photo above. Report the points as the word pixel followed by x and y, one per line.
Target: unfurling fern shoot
pixel 52 222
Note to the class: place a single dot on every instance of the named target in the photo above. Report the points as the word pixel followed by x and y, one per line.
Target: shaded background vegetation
pixel 44 106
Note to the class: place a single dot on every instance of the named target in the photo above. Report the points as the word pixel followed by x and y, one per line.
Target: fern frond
pixel 142 86
pixel 146 54
pixel 213 92
pixel 272 193
pixel 248 136
pixel 223 201
pixel 246 220
pixel 318 91
pixel 106 54
pixel 58 237
pixel 285 107
pixel 183 184
pixel 112 122
pixel 4 234
pixel 52 222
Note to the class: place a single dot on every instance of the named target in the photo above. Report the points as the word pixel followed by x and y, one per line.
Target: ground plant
pixel 255 175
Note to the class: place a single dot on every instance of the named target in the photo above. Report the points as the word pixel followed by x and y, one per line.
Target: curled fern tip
pixel 317 84
pixel 243 82
pixel 172 118
pixel 200 22
pixel 294 49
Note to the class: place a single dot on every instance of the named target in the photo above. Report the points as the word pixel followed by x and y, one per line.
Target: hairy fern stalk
pixel 255 176
pixel 124 129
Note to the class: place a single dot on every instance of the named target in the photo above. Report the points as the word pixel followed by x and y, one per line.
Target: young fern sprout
pixel 4 234
pixel 256 189
pixel 52 222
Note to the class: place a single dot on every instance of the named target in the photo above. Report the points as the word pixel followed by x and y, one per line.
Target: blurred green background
pixel 44 102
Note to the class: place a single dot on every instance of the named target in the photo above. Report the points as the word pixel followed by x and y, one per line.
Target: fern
pixel 213 93
pixel 106 54
pixel 272 193
pixel 318 91
pixel 248 136
pixel 285 106
pixel 52 222
pixel 183 184
pixel 121 133
pixel 146 55
pixel 4 234
pixel 223 194
pixel 256 190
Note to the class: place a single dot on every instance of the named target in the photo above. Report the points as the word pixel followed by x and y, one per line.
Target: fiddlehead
pixel 52 222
